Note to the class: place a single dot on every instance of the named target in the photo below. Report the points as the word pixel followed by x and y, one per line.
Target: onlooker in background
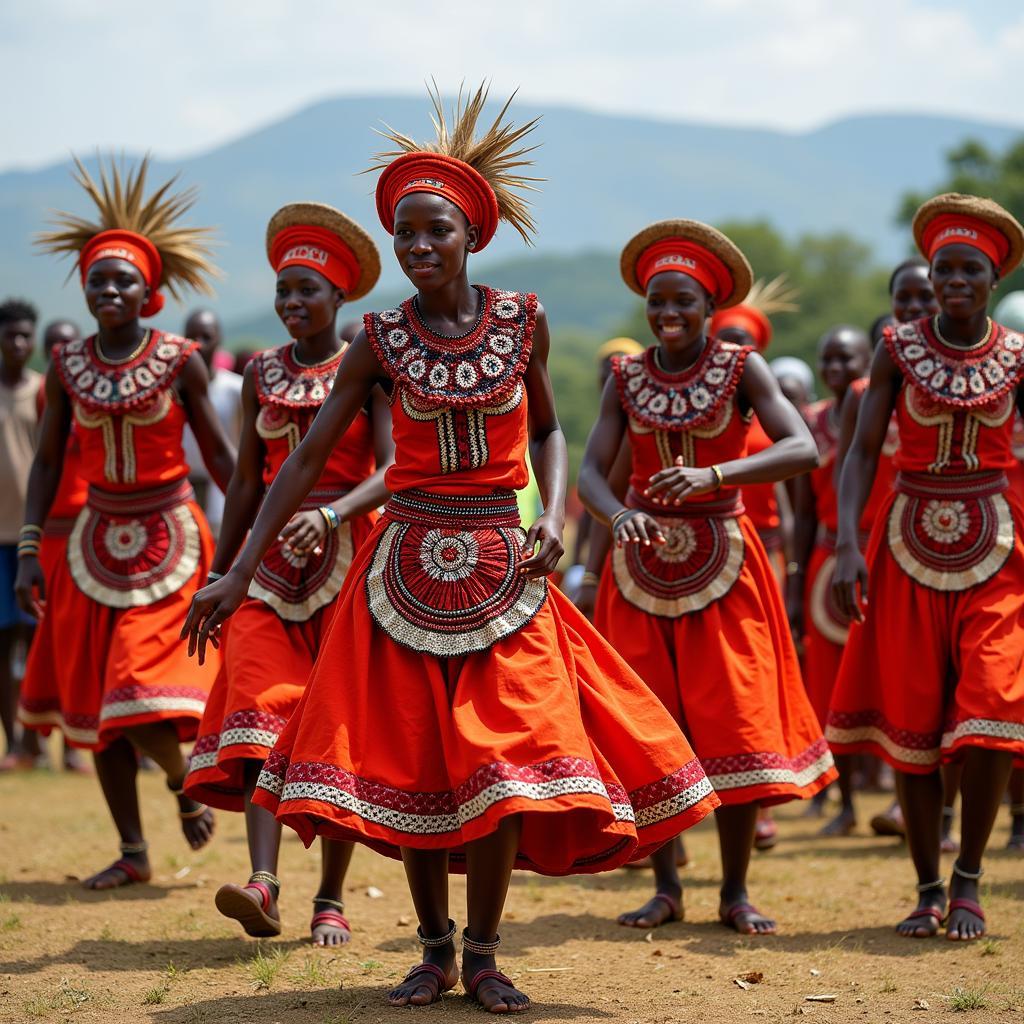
pixel 19 420
pixel 796 380
pixel 225 391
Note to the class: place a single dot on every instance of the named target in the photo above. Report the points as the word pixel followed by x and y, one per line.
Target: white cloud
pixel 181 77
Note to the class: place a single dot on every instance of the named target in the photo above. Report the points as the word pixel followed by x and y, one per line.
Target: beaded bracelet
pixel 30 530
pixel 27 548
pixel 333 522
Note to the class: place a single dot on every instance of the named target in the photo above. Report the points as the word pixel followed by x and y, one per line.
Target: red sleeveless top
pixel 760 500
pixel 128 419
pixel 821 419
pixel 458 405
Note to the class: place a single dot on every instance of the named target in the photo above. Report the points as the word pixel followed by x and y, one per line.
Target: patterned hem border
pixel 447 813
pixel 969 730
pixel 129 702
pixel 871 727
pixel 741 771
pixel 54 719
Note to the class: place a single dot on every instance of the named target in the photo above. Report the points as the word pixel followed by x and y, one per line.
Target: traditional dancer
pixel 140 547
pixel 843 356
pixel 321 258
pixel 934 673
pixel 691 600
pixel 518 737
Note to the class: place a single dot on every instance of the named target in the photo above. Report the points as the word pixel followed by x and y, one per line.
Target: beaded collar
pixel 679 401
pixel 281 379
pixel 820 418
pixel 475 369
pixel 959 377
pixel 101 386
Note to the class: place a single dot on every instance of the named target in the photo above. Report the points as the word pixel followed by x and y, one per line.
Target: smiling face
pixel 963 279
pixel 677 307
pixel 306 301
pixel 432 238
pixel 912 295
pixel 843 357
pixel 115 292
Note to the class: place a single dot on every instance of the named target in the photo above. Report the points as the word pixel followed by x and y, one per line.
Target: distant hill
pixel 607 176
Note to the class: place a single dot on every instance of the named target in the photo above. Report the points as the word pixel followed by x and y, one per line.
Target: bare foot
pixel 746 919
pixel 486 985
pixel 966 920
pixel 130 869
pixel 197 822
pixel 841 825
pixel 660 909
pixel 766 832
pixel 253 906
pixel 889 822
pixel 329 926
pixel 428 981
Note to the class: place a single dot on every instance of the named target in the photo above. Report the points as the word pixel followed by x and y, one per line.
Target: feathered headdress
pixel 132 226
pixel 481 175
pixel 751 316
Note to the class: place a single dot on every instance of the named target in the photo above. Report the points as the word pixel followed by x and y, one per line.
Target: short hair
pixel 18 309
pixel 914 263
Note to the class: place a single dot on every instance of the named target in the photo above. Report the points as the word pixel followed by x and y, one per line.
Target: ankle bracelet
pixel 971 876
pixel 480 948
pixel 267 878
pixel 338 905
pixel 129 848
pixel 435 941
pixel 939 883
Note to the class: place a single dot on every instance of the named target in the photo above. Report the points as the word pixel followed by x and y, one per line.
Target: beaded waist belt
pixel 59 526
pixel 495 510
pixel 322 496
pixel 967 485
pixel 828 538
pixel 728 507
pixel 144 502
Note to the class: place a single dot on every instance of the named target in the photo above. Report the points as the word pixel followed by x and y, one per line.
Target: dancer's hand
pixel 542 561
pixel 637 527
pixel 851 571
pixel 672 486
pixel 30 586
pixel 210 609
pixel 304 532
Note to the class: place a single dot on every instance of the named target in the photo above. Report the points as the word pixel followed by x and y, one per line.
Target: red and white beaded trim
pixel 738 771
pixel 281 380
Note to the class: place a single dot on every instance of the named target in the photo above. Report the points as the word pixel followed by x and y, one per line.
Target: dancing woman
pixel 462 714
pixel 691 600
pixel 934 673
pixel 321 259
pixel 140 548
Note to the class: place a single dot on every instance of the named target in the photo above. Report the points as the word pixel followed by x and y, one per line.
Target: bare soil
pixel 161 953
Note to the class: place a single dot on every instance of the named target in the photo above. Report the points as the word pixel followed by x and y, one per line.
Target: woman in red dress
pixel 935 671
pixel 690 600
pixel 462 715
pixel 140 548
pixel 321 258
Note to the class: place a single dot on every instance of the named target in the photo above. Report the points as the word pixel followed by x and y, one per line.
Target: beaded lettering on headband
pixel 306 252
pixel 674 261
pixel 428 182
pixel 115 253
pixel 957 232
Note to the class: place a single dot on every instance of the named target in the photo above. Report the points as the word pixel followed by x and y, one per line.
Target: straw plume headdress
pixel 140 228
pixel 481 174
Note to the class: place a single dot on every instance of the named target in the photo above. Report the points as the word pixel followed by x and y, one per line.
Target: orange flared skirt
pixel 933 669
pixel 96 670
pixel 266 665
pixel 728 674
pixel 393 747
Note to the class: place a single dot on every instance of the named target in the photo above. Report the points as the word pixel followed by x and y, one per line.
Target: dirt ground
pixel 160 953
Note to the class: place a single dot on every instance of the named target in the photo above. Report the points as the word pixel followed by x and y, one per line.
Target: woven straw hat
pixel 320 215
pixel 700 234
pixel 986 210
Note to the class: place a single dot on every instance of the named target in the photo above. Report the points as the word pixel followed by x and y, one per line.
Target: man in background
pixel 225 393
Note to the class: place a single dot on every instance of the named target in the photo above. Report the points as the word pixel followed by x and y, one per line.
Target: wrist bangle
pixel 330 516
pixel 719 478
pixel 793 569
pixel 590 579
pixel 30 530
pixel 618 515
pixel 212 577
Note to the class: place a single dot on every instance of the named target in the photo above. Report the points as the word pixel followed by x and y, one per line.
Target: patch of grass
pixel 107 934
pixel 264 967
pixel 962 1000
pixel 196 1015
pixel 173 973
pixel 10 923
pixel 312 972
pixel 65 998
pixel 155 996
pixel 990 947
pixel 370 965
pixel 888 986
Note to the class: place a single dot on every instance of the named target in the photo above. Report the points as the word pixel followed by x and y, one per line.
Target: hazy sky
pixel 181 76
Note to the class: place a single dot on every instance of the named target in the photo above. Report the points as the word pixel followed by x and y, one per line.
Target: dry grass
pixel 160 953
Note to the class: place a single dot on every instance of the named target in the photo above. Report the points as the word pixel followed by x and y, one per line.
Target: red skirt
pixel 450 694
pixel 702 620
pixel 938 664
pixel 267 662
pixel 109 656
